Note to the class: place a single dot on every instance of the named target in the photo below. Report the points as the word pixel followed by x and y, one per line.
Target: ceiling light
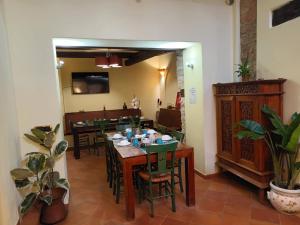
pixel 102 61
pixel 115 61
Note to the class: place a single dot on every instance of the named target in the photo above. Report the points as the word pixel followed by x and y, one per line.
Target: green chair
pixel 99 139
pixel 162 129
pixel 179 137
pixel 135 121
pixel 122 127
pixel 163 173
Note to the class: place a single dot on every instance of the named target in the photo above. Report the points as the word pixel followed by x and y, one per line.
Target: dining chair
pixel 163 173
pixel 99 139
pixel 122 127
pixel 84 141
pixel 179 137
pixel 116 172
pixel 161 129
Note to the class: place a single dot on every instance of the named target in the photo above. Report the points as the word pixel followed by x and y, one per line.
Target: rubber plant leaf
pixel 49 139
pixel 38 133
pixel 56 128
pixel 63 183
pixel 36 163
pixel 253 126
pixel 36 154
pixel 294 141
pixel 27 203
pixel 20 184
pixel 47 199
pixel 249 134
pixel 60 148
pixel 21 174
pixel 33 138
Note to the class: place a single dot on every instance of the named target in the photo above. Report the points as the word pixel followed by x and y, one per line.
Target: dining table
pixel 88 126
pixel 131 156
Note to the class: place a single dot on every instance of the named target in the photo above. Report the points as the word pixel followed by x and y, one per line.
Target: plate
pixel 117 136
pixel 151 131
pixel 166 138
pixel 140 135
pixel 124 143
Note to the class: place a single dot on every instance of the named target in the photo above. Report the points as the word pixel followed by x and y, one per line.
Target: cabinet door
pixel 247 150
pixel 225 121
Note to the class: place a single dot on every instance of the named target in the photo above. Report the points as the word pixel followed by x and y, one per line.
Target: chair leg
pixel 114 183
pixel 139 186
pixel 173 194
pixel 166 190
pixel 160 187
pixel 151 199
pixel 180 175
pixel 118 189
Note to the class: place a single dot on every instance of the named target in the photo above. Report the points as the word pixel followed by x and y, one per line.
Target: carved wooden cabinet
pixel 246 158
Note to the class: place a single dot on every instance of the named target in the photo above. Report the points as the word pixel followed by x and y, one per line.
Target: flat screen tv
pixel 90 82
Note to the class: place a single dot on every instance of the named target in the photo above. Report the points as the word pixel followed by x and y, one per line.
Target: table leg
pixel 76 145
pixel 189 180
pixel 129 190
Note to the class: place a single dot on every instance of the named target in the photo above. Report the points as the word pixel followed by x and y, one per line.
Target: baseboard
pixel 208 176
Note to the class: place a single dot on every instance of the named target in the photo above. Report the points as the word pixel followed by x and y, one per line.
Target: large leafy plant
pixel 282 141
pixel 37 178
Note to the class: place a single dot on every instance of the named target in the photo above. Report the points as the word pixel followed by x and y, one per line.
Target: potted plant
pixel 244 70
pixel 38 181
pixel 283 143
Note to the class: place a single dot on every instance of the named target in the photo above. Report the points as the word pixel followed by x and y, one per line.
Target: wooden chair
pixel 163 173
pixel 179 137
pixel 99 139
pixel 84 141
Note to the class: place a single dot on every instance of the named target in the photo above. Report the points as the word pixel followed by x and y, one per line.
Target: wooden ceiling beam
pixel 90 54
pixel 143 55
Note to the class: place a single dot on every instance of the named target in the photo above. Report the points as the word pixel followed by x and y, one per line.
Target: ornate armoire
pixel 246 158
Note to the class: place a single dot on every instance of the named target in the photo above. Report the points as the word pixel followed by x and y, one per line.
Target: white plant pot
pixel 284 200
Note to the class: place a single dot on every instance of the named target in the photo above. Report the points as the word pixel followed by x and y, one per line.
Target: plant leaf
pixel 50 162
pixel 27 203
pixel 21 174
pixel 36 163
pixel 63 183
pixel 38 133
pixel 294 140
pixel 47 199
pixel 253 126
pixel 60 148
pixel 56 128
pixel 49 139
pixel 33 138
pixel 22 183
pixel 249 134
pixel 36 154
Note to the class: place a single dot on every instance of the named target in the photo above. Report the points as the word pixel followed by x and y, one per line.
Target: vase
pixel 56 212
pixel 284 200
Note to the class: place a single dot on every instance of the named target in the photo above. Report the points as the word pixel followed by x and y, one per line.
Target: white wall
pixel 278 53
pixel 9 142
pixel 32 24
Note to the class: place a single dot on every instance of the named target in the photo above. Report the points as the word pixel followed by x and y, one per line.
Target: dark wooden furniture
pixel 170 118
pixel 93 115
pixel 245 158
pixel 90 127
pixel 130 156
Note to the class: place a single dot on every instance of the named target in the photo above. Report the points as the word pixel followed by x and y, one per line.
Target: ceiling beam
pixel 90 54
pixel 143 55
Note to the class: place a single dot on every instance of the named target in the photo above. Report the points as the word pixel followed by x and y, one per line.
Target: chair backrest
pixel 101 125
pixel 112 153
pixel 161 153
pixel 123 127
pixel 178 135
pixel 162 129
pixel 135 121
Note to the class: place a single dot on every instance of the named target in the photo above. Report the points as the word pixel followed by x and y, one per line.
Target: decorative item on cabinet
pixel 246 158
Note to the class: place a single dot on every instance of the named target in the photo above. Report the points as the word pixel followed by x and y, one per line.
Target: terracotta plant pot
pixel 56 212
pixel 284 200
pixel 246 78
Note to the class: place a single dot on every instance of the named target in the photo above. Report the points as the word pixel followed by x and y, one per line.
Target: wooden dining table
pixel 131 156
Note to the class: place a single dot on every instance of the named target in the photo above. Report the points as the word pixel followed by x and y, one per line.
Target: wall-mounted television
pixel 90 82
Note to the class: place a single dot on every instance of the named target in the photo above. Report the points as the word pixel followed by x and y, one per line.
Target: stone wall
pixel 248 17
pixel 180 81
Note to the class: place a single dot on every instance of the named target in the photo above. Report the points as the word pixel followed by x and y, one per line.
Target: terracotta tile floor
pixel 223 200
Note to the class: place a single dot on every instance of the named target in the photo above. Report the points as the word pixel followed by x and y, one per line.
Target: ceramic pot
pixel 284 200
pixel 57 211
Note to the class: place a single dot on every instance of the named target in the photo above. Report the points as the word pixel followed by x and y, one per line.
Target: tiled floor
pixel 224 200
